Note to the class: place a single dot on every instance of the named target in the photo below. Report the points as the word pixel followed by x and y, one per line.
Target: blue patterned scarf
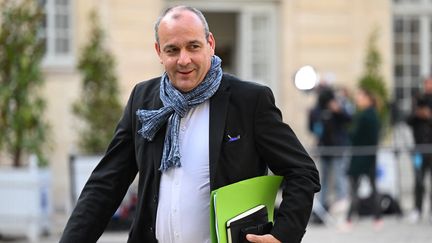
pixel 176 105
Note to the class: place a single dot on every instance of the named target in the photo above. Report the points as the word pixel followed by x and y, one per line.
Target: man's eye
pixel 171 50
pixel 193 47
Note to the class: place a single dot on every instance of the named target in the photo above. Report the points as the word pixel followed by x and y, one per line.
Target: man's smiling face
pixel 184 50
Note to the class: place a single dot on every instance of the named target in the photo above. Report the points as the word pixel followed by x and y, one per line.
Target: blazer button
pixel 155 199
pixel 151 229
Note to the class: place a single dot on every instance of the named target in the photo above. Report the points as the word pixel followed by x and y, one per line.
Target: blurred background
pixel 85 49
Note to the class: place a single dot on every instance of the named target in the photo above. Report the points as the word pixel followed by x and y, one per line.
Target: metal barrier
pixel 402 144
pixel 366 150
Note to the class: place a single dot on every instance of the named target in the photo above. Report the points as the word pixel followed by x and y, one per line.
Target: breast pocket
pixel 236 148
pixel 240 159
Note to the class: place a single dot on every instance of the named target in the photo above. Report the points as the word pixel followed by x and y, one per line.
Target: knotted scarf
pixel 176 106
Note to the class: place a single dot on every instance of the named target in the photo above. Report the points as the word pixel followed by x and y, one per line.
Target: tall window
pixel 412 28
pixel 258 48
pixel 57 32
pixel 260 35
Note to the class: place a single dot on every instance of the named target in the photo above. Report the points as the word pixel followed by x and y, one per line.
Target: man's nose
pixel 184 58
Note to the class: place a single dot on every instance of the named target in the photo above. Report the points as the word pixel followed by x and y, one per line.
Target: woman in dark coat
pixel 365 134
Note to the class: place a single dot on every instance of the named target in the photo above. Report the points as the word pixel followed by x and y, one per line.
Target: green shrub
pixel 373 81
pixel 99 106
pixel 22 128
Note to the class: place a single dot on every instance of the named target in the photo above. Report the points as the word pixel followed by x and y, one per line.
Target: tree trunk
pixel 17 157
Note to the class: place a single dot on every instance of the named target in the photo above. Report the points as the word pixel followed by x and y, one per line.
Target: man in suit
pixel 186 133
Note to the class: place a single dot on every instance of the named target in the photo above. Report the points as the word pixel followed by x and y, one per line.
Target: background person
pixel 364 134
pixel 421 123
pixel 329 121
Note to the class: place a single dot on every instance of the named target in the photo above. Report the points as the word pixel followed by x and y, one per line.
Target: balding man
pixel 190 131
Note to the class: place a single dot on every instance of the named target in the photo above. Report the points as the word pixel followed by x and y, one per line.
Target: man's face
pixel 362 100
pixel 428 86
pixel 184 50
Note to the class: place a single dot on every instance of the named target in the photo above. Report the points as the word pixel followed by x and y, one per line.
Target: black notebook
pixel 253 221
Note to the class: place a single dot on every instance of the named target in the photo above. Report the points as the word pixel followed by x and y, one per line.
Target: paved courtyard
pixel 394 230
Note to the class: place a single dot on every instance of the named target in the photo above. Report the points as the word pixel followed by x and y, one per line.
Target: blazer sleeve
pixel 106 186
pixel 284 154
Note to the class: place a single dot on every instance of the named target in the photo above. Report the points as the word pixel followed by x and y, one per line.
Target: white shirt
pixel 184 194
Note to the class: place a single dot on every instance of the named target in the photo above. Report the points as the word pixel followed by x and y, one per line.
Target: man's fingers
pixel 262 238
pixel 253 238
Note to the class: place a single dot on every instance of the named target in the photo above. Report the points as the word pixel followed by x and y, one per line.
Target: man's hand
pixel 262 238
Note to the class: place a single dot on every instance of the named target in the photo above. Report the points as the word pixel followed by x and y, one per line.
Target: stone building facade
pixel 260 40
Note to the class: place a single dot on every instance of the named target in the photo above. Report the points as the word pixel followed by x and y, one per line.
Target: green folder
pixel 234 199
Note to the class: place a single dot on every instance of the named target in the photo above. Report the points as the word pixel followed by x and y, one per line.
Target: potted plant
pixel 98 107
pixel 373 81
pixel 25 186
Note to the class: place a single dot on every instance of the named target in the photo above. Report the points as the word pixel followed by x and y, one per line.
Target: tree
pixel 22 128
pixel 99 106
pixel 372 80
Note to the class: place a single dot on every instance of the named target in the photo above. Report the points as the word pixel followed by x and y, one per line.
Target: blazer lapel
pixel 218 113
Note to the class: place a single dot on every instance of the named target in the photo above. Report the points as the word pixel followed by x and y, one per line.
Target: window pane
pixel 398 70
pixel 62 46
pixel 398 25
pixel 260 30
pixel 414 26
pixel 398 48
pixel 58 45
pixel 430 43
pixel 61 21
pixel 42 31
pixel 42 2
pixel 407 51
pixel 399 93
pixel 415 48
pixel 57 29
pixel 61 2
pixel 415 71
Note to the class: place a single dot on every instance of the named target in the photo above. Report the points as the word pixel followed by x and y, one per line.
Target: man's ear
pixel 158 51
pixel 212 42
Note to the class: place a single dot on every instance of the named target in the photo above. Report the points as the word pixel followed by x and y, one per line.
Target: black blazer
pixel 237 108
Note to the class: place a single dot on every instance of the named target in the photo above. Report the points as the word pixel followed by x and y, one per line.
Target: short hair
pixel 182 7
pixel 371 95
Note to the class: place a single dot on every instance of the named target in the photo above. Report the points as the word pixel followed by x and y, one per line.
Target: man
pixel 421 124
pixel 186 133
pixel 329 121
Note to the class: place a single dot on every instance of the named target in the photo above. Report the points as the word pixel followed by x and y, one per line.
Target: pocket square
pixel 233 138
